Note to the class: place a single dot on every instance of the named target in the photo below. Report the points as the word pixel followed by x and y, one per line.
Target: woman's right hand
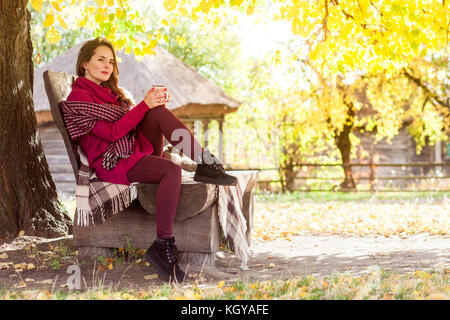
pixel 156 96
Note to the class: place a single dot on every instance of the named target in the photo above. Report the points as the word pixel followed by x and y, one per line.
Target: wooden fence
pixel 372 179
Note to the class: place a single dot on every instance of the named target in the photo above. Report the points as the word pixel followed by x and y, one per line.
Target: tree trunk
pixel 343 143
pixel 28 197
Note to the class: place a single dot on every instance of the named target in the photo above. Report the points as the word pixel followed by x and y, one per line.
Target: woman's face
pixel 101 65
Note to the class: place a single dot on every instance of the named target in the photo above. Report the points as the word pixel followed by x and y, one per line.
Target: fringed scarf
pixel 97 200
pixel 80 117
pixel 230 202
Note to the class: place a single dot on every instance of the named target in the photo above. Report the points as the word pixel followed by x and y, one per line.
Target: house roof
pixel 192 95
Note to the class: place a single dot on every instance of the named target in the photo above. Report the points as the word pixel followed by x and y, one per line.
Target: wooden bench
pixel 196 226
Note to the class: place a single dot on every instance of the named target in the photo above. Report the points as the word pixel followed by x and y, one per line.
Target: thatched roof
pixel 192 95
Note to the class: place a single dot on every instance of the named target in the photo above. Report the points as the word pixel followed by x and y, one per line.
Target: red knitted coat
pixel 96 142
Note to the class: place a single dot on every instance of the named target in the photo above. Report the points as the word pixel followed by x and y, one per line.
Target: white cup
pixel 166 94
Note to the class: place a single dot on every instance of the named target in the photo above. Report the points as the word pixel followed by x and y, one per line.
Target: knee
pixel 147 117
pixel 173 170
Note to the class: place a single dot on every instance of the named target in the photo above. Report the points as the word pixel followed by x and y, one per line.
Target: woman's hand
pixel 156 96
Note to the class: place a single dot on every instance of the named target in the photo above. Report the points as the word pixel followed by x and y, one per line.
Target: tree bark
pixel 28 197
pixel 343 143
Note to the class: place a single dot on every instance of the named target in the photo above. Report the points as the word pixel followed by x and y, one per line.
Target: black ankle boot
pixel 163 256
pixel 210 170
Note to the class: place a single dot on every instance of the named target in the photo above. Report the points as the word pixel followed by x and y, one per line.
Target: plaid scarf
pixel 80 117
pixel 232 220
pixel 97 200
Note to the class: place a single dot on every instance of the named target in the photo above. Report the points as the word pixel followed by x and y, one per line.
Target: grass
pixel 281 216
pixel 325 196
pixel 376 285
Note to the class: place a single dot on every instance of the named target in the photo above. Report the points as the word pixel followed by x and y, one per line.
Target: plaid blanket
pixel 231 218
pixel 97 200
pixel 80 117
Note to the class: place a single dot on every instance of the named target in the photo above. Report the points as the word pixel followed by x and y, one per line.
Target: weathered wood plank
pixel 60 168
pixel 63 177
pixel 199 234
pixel 67 188
pixel 57 159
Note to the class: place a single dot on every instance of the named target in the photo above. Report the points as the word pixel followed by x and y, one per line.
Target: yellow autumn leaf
pixel 100 3
pixel 49 20
pixel 164 22
pixel 147 50
pixel 53 36
pixel 277 58
pixel 141 252
pixel 183 11
pixel 37 4
pixel 56 5
pixel 137 51
pixel 110 3
pixel 182 41
pixel 99 18
pixel 22 266
pixel 220 284
pixel 62 23
pixel 296 26
pixel 236 2
pixel 250 10
pixel 120 14
pixel 170 5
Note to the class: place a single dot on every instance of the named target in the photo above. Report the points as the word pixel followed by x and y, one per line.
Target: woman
pixel 144 125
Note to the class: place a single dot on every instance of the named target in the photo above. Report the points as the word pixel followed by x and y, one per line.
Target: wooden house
pixel 400 150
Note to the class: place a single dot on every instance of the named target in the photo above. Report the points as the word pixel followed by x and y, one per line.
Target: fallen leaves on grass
pixel 274 220
pixel 377 284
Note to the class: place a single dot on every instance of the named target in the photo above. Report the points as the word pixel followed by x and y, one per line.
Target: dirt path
pixel 322 255
pixel 319 255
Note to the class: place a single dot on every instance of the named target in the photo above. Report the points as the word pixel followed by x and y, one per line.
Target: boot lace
pixel 171 251
pixel 216 165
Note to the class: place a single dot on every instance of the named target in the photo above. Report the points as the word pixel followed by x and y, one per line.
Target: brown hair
pixel 85 54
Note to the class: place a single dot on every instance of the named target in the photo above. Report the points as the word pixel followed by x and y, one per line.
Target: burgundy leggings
pixel 159 122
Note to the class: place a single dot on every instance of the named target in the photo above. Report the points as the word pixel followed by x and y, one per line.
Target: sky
pixel 260 38
pixel 257 37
